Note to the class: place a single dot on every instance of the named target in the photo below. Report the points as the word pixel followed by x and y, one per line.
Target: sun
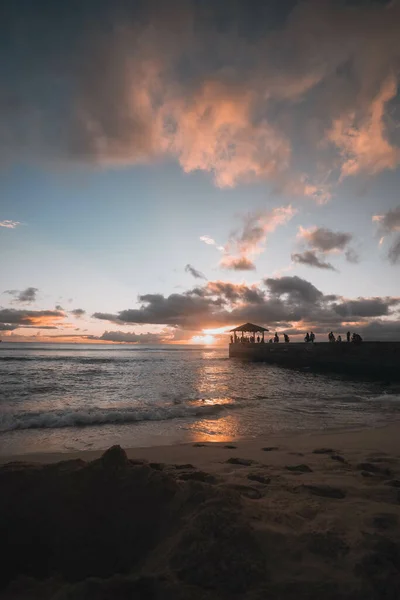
pixel 203 339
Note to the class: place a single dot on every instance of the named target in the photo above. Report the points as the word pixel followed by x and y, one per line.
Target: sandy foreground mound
pixel 116 528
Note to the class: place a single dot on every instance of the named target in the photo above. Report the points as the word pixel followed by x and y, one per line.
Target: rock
pixel 326 491
pixel 299 468
pixel 375 469
pixel 198 476
pixel 258 477
pixel 244 490
pixel 393 483
pixel 323 451
pixel 269 448
pixel 230 447
pixel 186 466
pixel 157 466
pixel 245 462
pixel 114 458
pixel 199 445
pixel 339 458
pixel 385 521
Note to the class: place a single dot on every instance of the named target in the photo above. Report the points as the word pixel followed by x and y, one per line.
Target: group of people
pixel 309 337
pixel 355 337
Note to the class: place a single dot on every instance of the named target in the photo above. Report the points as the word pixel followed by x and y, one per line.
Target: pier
pixel 376 360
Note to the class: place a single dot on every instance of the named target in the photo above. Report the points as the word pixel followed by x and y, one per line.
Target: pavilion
pixel 248 328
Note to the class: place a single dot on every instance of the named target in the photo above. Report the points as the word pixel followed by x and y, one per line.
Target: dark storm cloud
pixel 4 327
pixel 289 303
pixel 295 287
pixel 131 337
pixel 194 272
pixel 310 258
pixel 366 307
pixel 78 312
pixel 23 296
pixel 30 318
pixel 216 85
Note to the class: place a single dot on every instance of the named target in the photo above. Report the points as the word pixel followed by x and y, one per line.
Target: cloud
pixel 9 224
pixel 210 241
pixel 289 303
pixel 24 296
pixel 237 264
pixel 59 307
pixel 310 258
pixel 249 241
pixel 389 223
pixel 194 272
pixel 237 93
pixel 394 251
pixel 134 338
pixel 43 319
pixel 78 312
pixel 325 240
pixel 321 241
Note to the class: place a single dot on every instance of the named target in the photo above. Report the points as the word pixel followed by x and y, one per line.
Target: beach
pixel 305 515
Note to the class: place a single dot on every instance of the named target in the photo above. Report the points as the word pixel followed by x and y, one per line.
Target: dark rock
pixel 323 451
pixel 157 466
pixel 198 476
pixel 230 447
pixel 375 469
pixel 197 445
pixel 187 466
pixel 338 458
pixel 328 544
pixel 385 521
pixel 246 462
pixel 270 448
pixel 393 483
pixel 299 468
pixel 244 490
pixel 366 474
pixel 326 491
pixel 258 477
pixel 114 458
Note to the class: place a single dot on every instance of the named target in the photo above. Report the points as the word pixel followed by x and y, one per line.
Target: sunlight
pixel 217 330
pixel 203 339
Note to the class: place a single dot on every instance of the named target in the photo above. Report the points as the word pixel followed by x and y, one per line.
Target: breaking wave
pixel 57 419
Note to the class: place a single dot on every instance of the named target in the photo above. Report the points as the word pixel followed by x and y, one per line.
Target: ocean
pixel 67 397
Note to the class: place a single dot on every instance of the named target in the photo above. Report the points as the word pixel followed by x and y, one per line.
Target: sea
pixel 74 397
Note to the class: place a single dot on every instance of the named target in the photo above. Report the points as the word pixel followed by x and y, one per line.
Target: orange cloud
pixel 364 145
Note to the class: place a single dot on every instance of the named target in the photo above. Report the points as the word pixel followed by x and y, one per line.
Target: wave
pixel 57 419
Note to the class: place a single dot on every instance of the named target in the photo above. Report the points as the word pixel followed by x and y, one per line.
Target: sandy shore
pixel 301 516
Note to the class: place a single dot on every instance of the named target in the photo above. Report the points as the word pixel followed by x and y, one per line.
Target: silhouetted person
pixel 276 338
pixel 331 337
pixel 339 338
pixel 348 336
pixel 312 337
pixel 307 337
pixel 270 341
pixel 286 338
pixel 258 339
pixel 356 338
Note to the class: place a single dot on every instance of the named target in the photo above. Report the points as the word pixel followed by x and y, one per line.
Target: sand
pixel 313 515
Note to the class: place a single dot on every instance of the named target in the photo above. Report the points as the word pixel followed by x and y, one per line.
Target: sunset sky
pixel 170 167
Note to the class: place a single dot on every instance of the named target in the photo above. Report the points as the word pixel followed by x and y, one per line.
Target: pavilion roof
pixel 250 327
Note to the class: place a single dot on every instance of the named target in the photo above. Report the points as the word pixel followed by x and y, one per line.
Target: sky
pixel 170 170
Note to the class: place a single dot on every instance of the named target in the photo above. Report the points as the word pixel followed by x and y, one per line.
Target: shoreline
pixel 354 439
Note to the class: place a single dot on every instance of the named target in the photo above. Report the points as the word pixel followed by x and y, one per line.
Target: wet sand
pixel 301 516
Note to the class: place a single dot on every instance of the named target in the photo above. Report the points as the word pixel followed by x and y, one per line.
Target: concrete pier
pixel 377 360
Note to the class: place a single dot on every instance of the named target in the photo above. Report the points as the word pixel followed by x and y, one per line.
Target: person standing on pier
pixel 307 338
pixel 312 337
pixel 276 338
pixel 348 336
